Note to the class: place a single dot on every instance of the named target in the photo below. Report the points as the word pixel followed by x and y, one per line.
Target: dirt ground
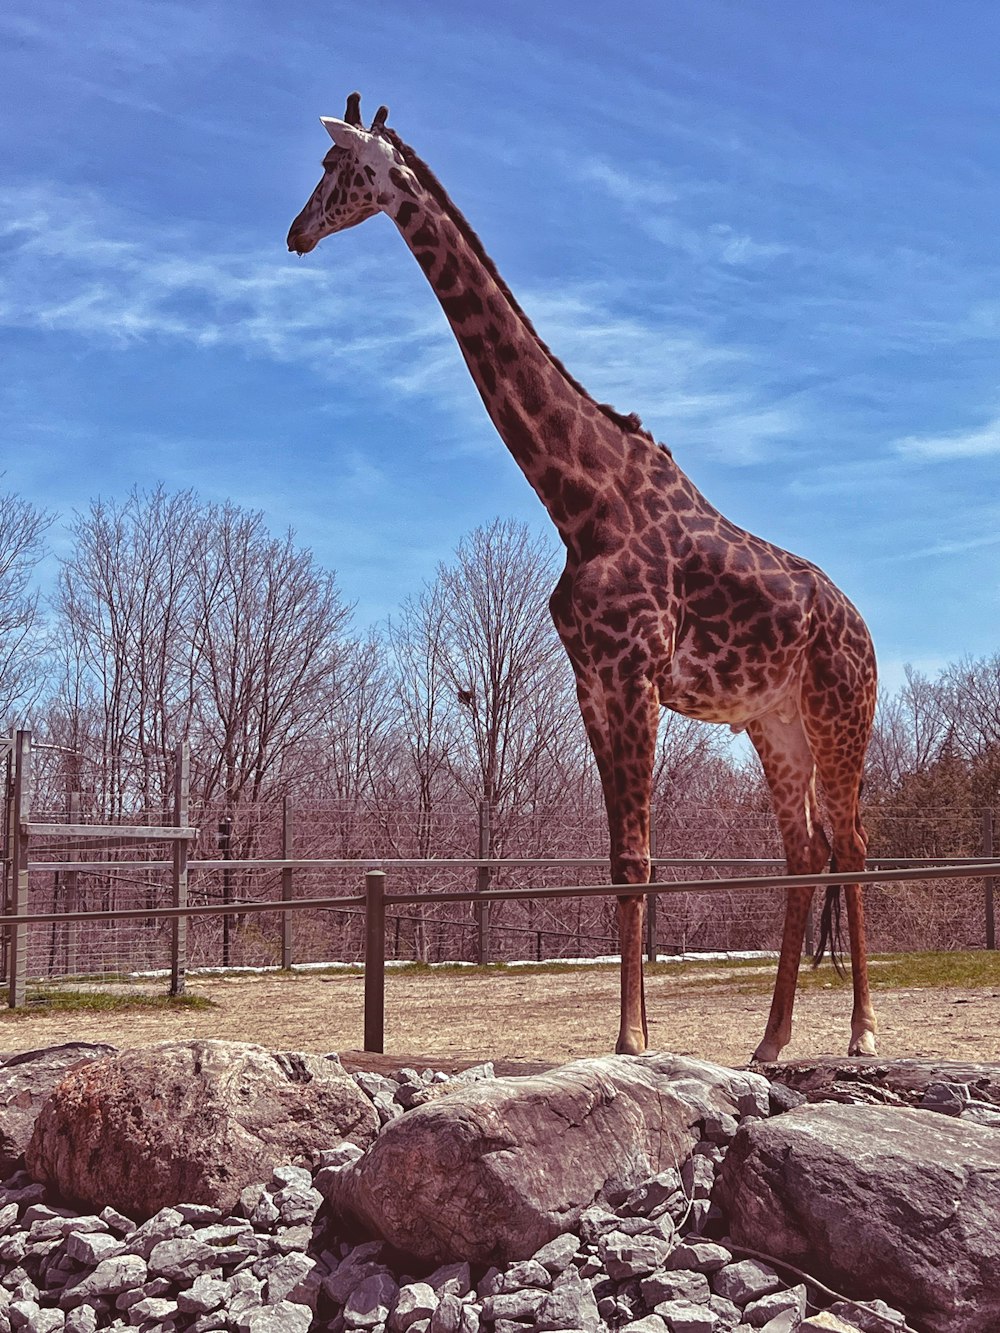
pixel 440 1019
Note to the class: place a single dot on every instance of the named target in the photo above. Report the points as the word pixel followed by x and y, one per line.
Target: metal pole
pixel 19 868
pixel 651 955
pixel 179 924
pixel 989 884
pixel 483 875
pixel 375 961
pixel 8 855
pixel 71 882
pixel 287 883
pixel 225 851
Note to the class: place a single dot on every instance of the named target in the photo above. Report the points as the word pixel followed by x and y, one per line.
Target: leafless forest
pixel 171 617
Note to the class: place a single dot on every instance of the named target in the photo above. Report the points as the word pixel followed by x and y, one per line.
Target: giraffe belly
pixel 703 690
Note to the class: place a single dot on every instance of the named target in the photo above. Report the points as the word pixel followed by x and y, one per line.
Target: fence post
pixel 226 851
pixel 651 898
pixel 483 875
pixel 287 882
pixel 179 896
pixel 989 884
pixel 71 882
pixel 20 805
pixel 375 960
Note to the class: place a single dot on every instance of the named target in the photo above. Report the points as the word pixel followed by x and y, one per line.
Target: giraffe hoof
pixel 864 1044
pixel 631 1044
pixel 766 1053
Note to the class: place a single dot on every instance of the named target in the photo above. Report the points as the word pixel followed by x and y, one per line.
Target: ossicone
pixel 353 113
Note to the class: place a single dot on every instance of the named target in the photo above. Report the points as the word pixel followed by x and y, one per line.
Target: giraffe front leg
pixel 633 1034
pixel 778 1031
pixel 633 718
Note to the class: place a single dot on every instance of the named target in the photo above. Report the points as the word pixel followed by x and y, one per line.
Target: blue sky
pixel 769 228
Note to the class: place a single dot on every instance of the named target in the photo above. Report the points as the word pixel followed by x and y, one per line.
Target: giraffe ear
pixel 342 134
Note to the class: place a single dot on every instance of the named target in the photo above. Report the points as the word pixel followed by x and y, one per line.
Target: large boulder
pixel 491 1172
pixel 190 1122
pixel 879 1202
pixel 26 1079
pixel 886 1082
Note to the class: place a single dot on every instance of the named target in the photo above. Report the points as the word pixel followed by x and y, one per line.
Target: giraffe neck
pixel 568 446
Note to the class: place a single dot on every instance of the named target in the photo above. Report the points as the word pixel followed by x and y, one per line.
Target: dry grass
pixel 715 1012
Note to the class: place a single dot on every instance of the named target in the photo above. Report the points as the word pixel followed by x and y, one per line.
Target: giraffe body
pixel 663 602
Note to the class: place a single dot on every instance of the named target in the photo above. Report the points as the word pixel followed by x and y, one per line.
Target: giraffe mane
pixel 630 422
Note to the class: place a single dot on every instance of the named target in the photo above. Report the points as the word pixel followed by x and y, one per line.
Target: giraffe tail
pixel 830 931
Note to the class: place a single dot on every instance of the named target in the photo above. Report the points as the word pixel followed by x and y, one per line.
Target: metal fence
pixel 160 937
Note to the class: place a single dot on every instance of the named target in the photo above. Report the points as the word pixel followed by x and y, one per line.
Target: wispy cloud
pixel 78 267
pixel 951 547
pixel 657 208
pixel 981 443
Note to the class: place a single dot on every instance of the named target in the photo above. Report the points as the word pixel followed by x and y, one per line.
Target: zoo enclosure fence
pixel 57 931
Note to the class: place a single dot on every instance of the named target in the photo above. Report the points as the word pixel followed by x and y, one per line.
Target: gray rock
pixel 869 1316
pixel 415 1301
pixel 182 1260
pixel 783 1098
pixel 698 1176
pixel 495 1170
pixel 703 1256
pixel 453 1279
pixel 652 1194
pixel 632 1256
pixel 447 1318
pixel 946 1098
pixel 370 1301
pixel 686 1317
pixel 651 1323
pixel 125 1272
pixel 726 1312
pixel 158 1286
pixel 167 1224
pixel 153 1309
pixel 294 1278
pixel 514 1305
pixel 285 1317
pixel 908 1206
pixel 206 1293
pixel 90 1247
pixel 758 1312
pixel 527 1273
pixel 744 1281
pixel 221 1114
pixel 81 1320
pixel 684 1284
pixel 558 1254
pixel 570 1304
pixel 595 1222
pixel 982 1113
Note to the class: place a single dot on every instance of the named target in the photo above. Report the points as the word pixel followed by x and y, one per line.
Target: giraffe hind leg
pixel 791 776
pixel 840 775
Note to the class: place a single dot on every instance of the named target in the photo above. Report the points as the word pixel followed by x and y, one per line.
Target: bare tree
pixel 502 660
pixel 266 633
pixel 124 602
pixel 22 676
pixel 417 643
pixel 911 728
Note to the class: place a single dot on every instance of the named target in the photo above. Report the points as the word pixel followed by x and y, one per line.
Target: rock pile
pixel 639 1259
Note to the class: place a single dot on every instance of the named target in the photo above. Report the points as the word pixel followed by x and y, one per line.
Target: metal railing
pixel 17 916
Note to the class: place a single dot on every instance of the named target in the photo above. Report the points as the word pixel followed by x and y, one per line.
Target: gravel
pixel 641 1264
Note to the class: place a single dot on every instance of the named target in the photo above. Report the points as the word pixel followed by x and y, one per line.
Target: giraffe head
pixel 355 183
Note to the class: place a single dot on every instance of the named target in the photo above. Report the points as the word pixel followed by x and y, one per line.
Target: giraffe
pixel 663 602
